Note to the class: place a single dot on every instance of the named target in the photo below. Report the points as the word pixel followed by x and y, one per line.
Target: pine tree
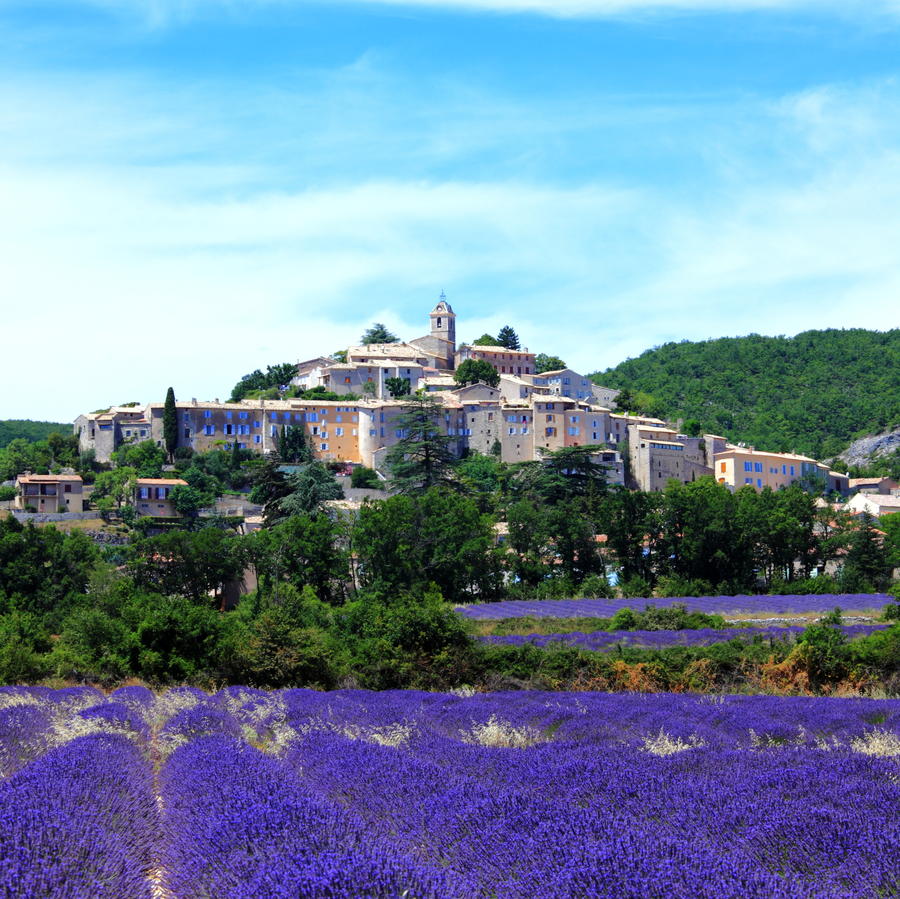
pixel 170 424
pixel 508 338
pixel 423 457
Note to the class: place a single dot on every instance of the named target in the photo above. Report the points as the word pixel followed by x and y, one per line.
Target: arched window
pixel 439 322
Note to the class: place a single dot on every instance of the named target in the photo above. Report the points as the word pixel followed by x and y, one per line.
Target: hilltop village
pixel 519 417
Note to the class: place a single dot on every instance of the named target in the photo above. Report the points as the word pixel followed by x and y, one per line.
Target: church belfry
pixel 443 321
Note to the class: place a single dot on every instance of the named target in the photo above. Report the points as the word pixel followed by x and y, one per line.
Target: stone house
pixel 49 493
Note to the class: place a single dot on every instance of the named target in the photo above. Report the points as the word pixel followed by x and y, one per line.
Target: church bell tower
pixel 443 322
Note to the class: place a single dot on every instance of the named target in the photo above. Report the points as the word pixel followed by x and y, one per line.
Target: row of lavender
pixel 724 605
pixel 435 795
pixel 704 636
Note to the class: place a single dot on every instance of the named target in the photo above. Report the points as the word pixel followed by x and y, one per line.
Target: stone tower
pixel 443 322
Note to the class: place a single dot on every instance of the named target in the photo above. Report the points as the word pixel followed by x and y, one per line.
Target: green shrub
pixel 363 477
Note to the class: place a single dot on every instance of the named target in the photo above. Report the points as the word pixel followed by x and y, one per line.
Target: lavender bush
pixel 606 608
pixel 603 640
pixel 252 793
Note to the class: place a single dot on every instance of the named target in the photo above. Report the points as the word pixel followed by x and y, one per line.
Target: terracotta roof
pixel 496 349
pixel 160 482
pixel 47 478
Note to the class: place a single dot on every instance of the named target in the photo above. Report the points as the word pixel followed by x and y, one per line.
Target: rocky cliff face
pixel 867 449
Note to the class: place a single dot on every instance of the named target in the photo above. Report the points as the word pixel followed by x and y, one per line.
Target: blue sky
pixel 190 189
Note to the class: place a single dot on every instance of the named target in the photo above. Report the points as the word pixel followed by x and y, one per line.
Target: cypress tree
pixel 170 424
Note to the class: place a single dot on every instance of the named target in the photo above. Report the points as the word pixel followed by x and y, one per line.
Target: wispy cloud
pixel 188 234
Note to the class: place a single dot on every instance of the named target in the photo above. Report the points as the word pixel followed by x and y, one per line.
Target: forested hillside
pixel 812 393
pixel 30 430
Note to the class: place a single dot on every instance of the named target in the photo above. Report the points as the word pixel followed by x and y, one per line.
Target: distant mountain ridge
pixel 13 428
pixel 812 394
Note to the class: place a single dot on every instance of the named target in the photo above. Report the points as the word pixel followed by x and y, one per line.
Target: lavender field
pixel 296 793
pixel 766 606
pixel 703 636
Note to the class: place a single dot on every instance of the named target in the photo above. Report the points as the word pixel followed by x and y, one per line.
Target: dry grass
pixel 664 744
pixel 497 733
pixel 883 743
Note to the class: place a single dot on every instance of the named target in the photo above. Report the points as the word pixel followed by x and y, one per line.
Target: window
pixel 748 480
pixel 257 438
pixel 186 416
pixel 144 492
pixel 758 467
pixel 228 415
pixel 748 466
pixel 792 471
pixel 67 488
pixel 187 433
pixel 323 447
pixel 229 429
pixel 207 413
pixel 243 414
pixel 338 432
pixel 512 430
pixel 759 482
pixel 371 432
pixel 209 430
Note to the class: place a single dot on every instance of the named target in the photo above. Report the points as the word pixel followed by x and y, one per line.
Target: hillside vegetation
pixel 811 394
pixel 13 429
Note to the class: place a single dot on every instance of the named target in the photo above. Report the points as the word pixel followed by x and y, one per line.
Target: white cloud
pixel 148 269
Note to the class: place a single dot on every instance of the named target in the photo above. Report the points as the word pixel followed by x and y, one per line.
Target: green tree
pixel 415 641
pixel 471 371
pixel 543 362
pixel 700 535
pixel 270 486
pixel 398 386
pixel 405 543
pixel 311 486
pixel 866 565
pixel 293 445
pixel 508 338
pixel 378 333
pixel 486 340
pixel 170 424
pixel 188 501
pixel 115 486
pixel 184 563
pixel 273 381
pixel 630 521
pixel 302 551
pixel 422 457
pixel 530 541
pixel 145 457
